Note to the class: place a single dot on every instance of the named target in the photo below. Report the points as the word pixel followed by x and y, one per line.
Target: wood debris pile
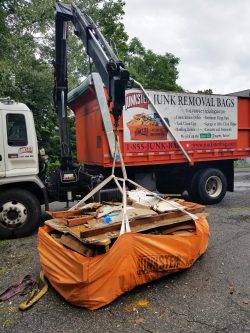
pixel 92 229
pixel 143 119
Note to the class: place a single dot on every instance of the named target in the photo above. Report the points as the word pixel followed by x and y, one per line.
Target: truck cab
pixel 18 142
pixel 21 190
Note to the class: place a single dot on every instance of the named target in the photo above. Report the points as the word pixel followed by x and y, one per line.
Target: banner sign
pixel 198 121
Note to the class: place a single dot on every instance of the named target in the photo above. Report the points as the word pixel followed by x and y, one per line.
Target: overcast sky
pixel 211 38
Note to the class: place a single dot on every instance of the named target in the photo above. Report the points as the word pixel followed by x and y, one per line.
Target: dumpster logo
pixel 157 263
pixel 136 100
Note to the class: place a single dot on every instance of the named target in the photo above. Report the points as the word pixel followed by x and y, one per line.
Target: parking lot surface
pixel 212 296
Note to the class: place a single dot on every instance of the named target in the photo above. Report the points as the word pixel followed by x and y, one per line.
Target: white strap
pixel 125 227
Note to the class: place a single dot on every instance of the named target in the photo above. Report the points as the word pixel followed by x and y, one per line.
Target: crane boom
pixel 111 69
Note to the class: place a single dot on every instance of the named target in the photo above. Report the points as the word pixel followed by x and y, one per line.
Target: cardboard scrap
pixel 107 209
pixel 142 197
pixel 162 206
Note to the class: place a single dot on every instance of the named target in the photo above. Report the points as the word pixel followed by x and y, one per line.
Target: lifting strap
pixel 118 157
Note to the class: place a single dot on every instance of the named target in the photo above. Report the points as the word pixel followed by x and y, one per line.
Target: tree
pixel 27 52
pixel 206 91
pixel 150 69
pixel 24 76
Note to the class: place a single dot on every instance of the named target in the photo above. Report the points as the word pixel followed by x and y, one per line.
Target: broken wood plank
pixel 74 244
pixel 71 222
pixel 65 213
pixel 57 225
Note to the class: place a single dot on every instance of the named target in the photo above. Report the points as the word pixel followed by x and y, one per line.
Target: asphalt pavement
pixel 212 296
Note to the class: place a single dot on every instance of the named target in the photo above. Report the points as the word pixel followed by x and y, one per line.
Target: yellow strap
pixel 35 294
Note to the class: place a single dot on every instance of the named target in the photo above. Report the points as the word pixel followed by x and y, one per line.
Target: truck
pixel 193 151
pixel 170 142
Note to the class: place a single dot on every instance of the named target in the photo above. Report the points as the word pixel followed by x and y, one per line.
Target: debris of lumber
pixel 138 224
pixel 183 223
pixel 90 230
pixel 144 223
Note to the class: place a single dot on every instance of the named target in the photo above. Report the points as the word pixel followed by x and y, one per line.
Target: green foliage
pixel 109 18
pixel 206 91
pixel 150 69
pixel 24 76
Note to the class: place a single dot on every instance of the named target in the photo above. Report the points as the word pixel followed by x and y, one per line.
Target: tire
pixel 208 186
pixel 193 186
pixel 20 213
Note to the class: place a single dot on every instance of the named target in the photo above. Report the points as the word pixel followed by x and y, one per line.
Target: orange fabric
pixel 134 259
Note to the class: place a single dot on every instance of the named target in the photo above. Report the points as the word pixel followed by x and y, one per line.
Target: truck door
pixel 19 137
pixel 2 159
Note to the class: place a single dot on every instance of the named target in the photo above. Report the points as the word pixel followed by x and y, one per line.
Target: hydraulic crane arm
pixel 110 68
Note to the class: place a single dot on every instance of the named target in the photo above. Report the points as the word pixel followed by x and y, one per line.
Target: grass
pixel 7 322
pixel 241 164
pixel 5 244
pixel 239 209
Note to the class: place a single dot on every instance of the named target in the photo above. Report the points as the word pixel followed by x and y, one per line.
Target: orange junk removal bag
pixel 134 259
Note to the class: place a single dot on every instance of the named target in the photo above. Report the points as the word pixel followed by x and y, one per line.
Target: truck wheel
pixel 19 213
pixel 193 186
pixel 208 186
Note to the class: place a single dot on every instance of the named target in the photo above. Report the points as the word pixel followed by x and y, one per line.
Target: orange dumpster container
pixel 134 259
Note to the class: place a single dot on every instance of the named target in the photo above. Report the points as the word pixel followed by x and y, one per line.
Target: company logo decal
pixel 157 263
pixel 25 150
pixel 136 100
